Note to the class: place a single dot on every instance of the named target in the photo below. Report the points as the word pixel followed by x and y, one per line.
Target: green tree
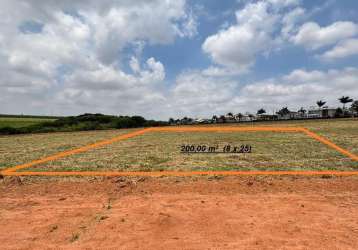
pixel 339 112
pixel 344 100
pixel 320 103
pixel 302 111
pixel 261 111
pixel 284 111
pixel 354 106
pixel 171 121
pixel 138 120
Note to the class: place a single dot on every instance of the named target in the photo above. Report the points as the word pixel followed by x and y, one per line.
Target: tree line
pixel 84 122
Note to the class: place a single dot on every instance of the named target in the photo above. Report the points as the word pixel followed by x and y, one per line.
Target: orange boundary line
pixel 330 144
pixel 75 151
pixel 12 171
pixel 178 173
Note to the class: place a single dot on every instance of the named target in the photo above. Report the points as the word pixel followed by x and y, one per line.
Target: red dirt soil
pixel 179 213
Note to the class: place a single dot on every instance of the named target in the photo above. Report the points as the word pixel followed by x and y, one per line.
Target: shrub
pixel 84 122
pixel 9 131
pixel 339 112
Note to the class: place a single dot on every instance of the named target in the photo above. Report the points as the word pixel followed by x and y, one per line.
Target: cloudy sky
pixel 175 58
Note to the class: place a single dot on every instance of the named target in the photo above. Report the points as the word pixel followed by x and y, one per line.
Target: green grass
pixel 157 151
pixel 18 149
pixel 19 122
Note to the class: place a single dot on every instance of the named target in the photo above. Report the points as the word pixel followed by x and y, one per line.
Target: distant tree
pixel 344 100
pixel 284 111
pixel 125 122
pixel 214 118
pixel 138 120
pixel 302 111
pixel 230 114
pixel 320 103
pixel 261 111
pixel 354 106
pixel 239 115
pixel 184 120
pixel 171 121
pixel 222 118
pixel 339 112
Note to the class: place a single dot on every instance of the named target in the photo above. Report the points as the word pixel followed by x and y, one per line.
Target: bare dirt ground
pixel 179 213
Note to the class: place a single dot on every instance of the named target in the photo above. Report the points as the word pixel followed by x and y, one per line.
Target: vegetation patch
pixel 85 122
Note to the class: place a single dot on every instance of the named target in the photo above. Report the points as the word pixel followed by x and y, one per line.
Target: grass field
pixel 157 151
pixel 19 122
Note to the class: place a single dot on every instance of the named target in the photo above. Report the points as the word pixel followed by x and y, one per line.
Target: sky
pixel 175 58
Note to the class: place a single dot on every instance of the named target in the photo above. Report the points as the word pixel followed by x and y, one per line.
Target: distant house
pixel 221 119
pixel 238 117
pixel 353 112
pixel 267 117
pixel 325 112
pixel 202 121
pixel 186 121
pixel 295 115
pixel 229 118
pixel 248 118
pixel 314 113
pixel 289 115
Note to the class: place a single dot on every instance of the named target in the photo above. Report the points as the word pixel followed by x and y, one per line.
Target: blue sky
pixel 186 53
pixel 164 59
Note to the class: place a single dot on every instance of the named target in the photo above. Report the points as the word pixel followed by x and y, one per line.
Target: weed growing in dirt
pixel 74 237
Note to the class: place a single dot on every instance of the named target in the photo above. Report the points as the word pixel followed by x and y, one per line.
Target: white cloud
pixel 86 56
pixel 218 71
pixel 284 3
pixel 78 54
pixel 290 21
pixel 313 36
pixel 260 27
pixel 303 88
pixel 199 95
pixel 110 89
pixel 157 22
pixel 237 46
pixel 269 25
pixel 341 50
pixel 303 76
pixel 189 25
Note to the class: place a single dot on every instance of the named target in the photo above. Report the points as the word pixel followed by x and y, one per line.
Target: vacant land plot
pixel 159 151
pixel 213 212
pixel 18 122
